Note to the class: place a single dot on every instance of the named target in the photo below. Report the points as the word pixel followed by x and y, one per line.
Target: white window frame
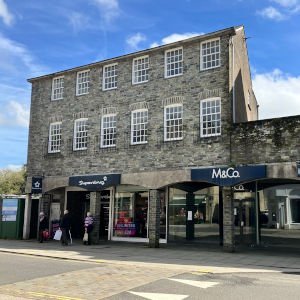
pixel 115 77
pixel 142 123
pixel 50 138
pixel 57 88
pixel 135 73
pixel 215 113
pixel 102 133
pixel 166 63
pixel 75 132
pixel 201 55
pixel 77 83
pixel 165 122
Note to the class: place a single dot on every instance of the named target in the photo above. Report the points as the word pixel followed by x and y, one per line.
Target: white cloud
pixel 14 114
pixel 14 168
pixel 271 13
pixel 286 3
pixel 13 54
pixel 109 9
pixel 175 37
pixel 286 9
pixel 78 21
pixel 277 93
pixel 134 40
pixel 7 17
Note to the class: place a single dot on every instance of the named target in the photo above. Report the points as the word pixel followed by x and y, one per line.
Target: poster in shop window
pixel 9 210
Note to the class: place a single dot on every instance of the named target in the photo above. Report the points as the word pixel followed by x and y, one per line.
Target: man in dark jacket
pixel 42 226
pixel 65 225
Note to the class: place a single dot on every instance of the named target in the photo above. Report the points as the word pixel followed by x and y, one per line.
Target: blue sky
pixel 40 37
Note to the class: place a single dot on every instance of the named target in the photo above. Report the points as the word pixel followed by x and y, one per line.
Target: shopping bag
pixel 85 237
pixel 46 234
pixel 57 235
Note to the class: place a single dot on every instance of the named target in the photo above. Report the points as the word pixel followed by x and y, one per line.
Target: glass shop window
pixel 131 212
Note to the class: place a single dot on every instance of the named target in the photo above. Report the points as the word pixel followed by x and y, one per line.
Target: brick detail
pixel 139 105
pixel 154 218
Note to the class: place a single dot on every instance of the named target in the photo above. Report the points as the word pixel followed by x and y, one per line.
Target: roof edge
pixel 230 30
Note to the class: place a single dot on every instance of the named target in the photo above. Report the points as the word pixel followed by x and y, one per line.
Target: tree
pixel 12 182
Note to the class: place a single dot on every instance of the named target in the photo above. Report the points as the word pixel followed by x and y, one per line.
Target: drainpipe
pixel 233 84
pixel 257 214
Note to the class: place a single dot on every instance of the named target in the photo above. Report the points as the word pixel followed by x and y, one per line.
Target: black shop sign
pixel 94 182
pixel 229 176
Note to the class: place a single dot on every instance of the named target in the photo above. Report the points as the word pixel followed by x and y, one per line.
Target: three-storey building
pixel 131 139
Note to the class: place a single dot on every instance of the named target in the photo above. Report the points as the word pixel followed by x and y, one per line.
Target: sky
pixel 40 37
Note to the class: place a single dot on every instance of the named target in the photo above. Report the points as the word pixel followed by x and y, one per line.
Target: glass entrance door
pixel 245 220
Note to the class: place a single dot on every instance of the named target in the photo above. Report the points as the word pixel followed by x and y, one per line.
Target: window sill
pixel 202 70
pixel 172 76
pixel 137 83
pixel 104 90
pixel 78 95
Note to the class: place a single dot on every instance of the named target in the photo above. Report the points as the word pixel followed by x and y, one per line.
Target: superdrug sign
pixel 94 182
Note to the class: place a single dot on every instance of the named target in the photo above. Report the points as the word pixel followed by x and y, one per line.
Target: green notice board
pixel 12 218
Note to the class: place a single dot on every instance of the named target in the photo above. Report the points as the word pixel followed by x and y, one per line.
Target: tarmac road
pixel 32 277
pixel 235 286
pixel 16 267
pixel 30 270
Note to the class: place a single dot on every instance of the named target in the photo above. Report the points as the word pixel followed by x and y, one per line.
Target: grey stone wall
pixel 192 151
pixel 242 81
pixel 266 141
pixel 154 218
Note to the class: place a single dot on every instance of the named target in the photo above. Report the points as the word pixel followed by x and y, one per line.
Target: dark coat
pixel 43 224
pixel 65 222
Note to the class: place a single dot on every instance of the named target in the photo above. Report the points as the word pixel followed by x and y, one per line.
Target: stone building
pixel 156 144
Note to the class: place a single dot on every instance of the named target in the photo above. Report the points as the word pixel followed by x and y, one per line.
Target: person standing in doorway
pixel 65 225
pixel 88 226
pixel 42 226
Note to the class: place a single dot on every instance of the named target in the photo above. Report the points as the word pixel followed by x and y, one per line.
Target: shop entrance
pixel 195 213
pixel 280 214
pixel 104 214
pixel 245 221
pixel 78 205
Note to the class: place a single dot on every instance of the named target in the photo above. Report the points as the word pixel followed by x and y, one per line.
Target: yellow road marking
pixel 45 295
pixel 31 254
pixel 201 272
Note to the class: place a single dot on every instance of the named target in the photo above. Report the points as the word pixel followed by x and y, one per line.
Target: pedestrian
pixel 42 226
pixel 88 227
pixel 65 225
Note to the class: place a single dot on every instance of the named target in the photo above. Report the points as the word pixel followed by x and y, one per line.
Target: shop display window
pixel 131 212
pixel 295 210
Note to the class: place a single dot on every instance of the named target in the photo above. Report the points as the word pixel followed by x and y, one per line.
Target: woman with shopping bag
pixel 43 226
pixel 88 227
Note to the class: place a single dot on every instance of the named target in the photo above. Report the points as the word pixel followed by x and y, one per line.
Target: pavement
pixel 184 257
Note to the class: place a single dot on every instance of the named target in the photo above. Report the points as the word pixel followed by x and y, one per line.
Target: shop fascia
pixel 229 176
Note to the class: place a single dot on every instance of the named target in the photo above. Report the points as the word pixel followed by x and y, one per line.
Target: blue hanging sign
pixel 229 176
pixel 94 182
pixel 36 187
